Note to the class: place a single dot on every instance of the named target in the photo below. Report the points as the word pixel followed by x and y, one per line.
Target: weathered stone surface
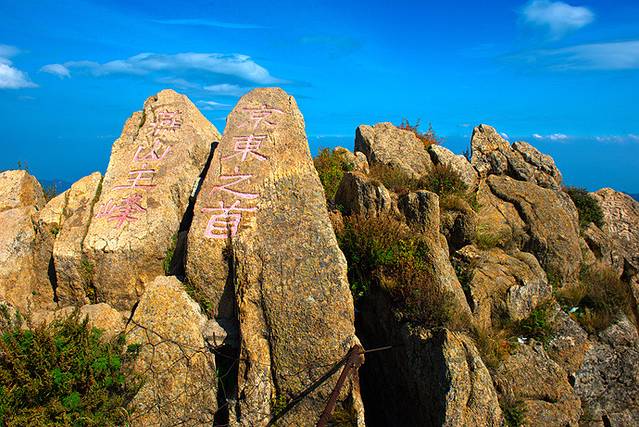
pixel 18 189
pixel 23 256
pixel 491 154
pixel 104 317
pixel 358 194
pixel 569 343
pixel 51 216
pixel 621 224
pixel 457 162
pixel 421 209
pixel 73 272
pixel 514 281
pixel 385 143
pixel 428 378
pixel 458 222
pixel 531 376
pixel 287 273
pixel 604 248
pixel 361 163
pixel 181 381
pixel 145 193
pixel 551 223
pixel 498 221
pixel 608 381
pixel 545 172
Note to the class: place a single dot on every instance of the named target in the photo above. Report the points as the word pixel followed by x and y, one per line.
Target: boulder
pixel 604 248
pixel 145 193
pixel 531 377
pixel 398 148
pixel 421 210
pixel 180 378
pixel 24 260
pixel 501 283
pixel 262 249
pixel 73 272
pixel 358 194
pixel 608 381
pixel 458 222
pixel 457 162
pixel 491 154
pixel 552 225
pixel 498 222
pixel 19 189
pixel 569 343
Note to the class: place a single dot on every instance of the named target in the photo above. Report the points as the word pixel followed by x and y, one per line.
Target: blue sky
pixel 563 76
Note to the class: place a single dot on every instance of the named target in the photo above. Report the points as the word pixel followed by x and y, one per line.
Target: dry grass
pixel 429 137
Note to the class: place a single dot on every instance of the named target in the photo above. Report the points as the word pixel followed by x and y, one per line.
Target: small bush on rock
pixel 331 166
pixel 598 299
pixel 587 206
pixel 64 374
pixel 383 251
pixel 444 180
pixel 393 179
pixel 538 325
pixel 427 138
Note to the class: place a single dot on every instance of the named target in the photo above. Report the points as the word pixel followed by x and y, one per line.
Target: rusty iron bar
pixel 355 359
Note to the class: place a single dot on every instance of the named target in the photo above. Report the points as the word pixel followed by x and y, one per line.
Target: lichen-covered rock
pixel 552 224
pixel 180 378
pixel 458 224
pixel 491 154
pixel 24 259
pixel 498 222
pixel 421 209
pixel 153 168
pixel 457 162
pixel 358 194
pixel 73 271
pixel 530 376
pixel 514 281
pixel 261 237
pixel 604 248
pixel 608 381
pixel 569 343
pixel 398 148
pixel 18 189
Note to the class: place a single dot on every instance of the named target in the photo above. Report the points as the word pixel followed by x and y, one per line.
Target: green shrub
pixel 64 374
pixel 168 257
pixel 538 325
pixel 598 299
pixel 514 413
pixel 330 166
pixel 428 137
pixel 443 180
pixel 394 179
pixel 493 344
pixel 198 296
pixel 486 239
pixel 383 251
pixel 587 206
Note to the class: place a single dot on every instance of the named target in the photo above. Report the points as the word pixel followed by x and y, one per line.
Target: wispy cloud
pixel 209 23
pixel 226 89
pixel 556 137
pixel 622 55
pixel 10 76
pixel 618 139
pixel 236 65
pixel 213 105
pixel 57 70
pixel 556 17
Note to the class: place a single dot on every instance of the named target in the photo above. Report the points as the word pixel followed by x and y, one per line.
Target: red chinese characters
pixel 226 218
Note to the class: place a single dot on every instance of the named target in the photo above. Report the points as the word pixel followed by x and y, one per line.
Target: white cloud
pixel 557 137
pixel 236 65
pixel 557 17
pixel 212 105
pixel 11 77
pixel 618 139
pixel 57 70
pixel 226 89
pixel 595 56
pixel 208 23
pixel 505 135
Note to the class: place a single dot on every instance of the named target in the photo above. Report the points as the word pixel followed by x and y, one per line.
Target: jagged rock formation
pixel 222 269
pixel 386 144
pixel 152 172
pixel 262 248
